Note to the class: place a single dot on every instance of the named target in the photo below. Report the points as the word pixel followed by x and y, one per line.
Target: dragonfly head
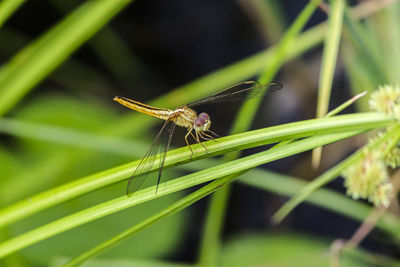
pixel 202 123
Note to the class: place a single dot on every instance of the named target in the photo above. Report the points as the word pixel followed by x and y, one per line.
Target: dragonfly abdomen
pixel 160 113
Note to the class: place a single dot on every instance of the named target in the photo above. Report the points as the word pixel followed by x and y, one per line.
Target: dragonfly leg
pixel 202 137
pixel 209 137
pixel 187 142
pixel 194 137
pixel 198 141
pixel 216 135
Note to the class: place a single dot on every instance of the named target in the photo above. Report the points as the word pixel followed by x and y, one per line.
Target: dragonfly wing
pixel 167 137
pixel 146 164
pixel 239 92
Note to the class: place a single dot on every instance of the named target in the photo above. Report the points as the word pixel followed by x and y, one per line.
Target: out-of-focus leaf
pixel 281 250
pixel 38 59
pixel 63 110
pixel 167 233
pixel 58 109
pixel 118 262
pixel 371 55
pixel 8 164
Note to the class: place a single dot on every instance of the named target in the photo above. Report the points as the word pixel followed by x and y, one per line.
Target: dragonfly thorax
pixel 202 123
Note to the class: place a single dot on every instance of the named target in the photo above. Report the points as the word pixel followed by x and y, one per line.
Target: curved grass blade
pixel 172 209
pixel 205 175
pixel 294 130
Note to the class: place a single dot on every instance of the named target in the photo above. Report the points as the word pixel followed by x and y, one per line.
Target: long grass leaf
pixel 172 209
pixel 34 204
pixel 147 194
pixel 35 62
pixel 210 243
pixel 329 57
pixel 326 177
pixel 7 8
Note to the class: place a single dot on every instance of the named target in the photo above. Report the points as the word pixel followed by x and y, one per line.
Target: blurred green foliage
pixel 42 165
pixel 29 165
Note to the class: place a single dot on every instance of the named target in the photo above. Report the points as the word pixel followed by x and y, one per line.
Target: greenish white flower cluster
pixel 365 179
pixel 368 178
pixel 386 100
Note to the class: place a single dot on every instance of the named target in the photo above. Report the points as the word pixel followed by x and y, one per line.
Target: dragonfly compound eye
pixel 204 116
pixel 202 122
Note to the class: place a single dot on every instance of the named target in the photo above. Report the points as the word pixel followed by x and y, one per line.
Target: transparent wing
pixel 239 92
pixel 166 141
pixel 146 164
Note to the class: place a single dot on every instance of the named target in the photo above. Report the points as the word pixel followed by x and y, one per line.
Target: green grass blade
pixel 268 17
pixel 7 8
pixel 174 208
pixel 122 63
pixel 326 177
pixel 324 198
pixel 362 44
pixel 72 74
pixel 70 137
pixel 289 186
pixel 210 244
pixel 169 187
pixel 35 62
pixel 345 105
pixel 39 202
pixel 211 237
pixel 329 57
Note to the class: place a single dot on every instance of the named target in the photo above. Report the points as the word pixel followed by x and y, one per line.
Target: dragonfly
pixel 198 126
